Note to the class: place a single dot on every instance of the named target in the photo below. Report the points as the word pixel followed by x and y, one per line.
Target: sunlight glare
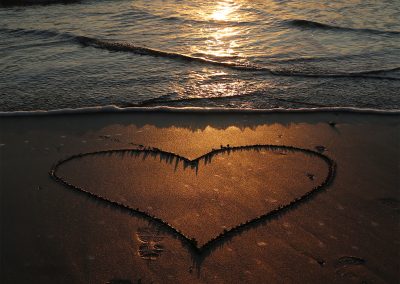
pixel 221 41
pixel 223 11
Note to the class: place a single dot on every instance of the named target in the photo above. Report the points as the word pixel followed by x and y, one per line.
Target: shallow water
pixel 227 53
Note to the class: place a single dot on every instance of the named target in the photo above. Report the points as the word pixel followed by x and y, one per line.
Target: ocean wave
pixel 45 33
pixel 166 100
pixel 140 50
pixel 10 3
pixel 38 33
pixel 379 71
pixel 328 58
pixel 316 25
pixel 167 109
pixel 220 23
pixel 120 46
pixel 369 74
pixel 181 19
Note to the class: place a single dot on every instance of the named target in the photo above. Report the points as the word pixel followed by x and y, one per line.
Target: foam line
pixel 165 109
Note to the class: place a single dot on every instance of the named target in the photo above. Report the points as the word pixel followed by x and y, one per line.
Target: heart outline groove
pixel 191 242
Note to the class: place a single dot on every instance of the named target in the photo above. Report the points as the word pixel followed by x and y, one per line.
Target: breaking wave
pixel 163 109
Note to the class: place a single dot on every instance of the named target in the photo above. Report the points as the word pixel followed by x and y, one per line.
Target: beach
pixel 228 141
pixel 200 197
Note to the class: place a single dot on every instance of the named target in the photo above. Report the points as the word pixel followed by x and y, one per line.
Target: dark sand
pixel 347 232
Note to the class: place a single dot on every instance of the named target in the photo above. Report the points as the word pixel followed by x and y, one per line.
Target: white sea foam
pixel 165 109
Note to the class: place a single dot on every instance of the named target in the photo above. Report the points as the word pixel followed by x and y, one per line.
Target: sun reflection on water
pixel 221 38
pixel 221 42
pixel 223 11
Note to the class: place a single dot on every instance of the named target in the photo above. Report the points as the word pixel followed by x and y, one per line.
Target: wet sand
pixel 162 198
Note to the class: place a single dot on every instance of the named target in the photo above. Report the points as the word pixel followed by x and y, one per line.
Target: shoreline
pixel 167 109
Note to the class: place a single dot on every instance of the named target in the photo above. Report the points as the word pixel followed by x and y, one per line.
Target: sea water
pixel 258 54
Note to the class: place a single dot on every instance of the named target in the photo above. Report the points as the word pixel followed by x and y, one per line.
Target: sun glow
pixel 223 11
pixel 221 41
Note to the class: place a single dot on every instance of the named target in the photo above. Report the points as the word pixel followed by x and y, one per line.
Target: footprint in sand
pixel 345 266
pixel 391 203
pixel 310 176
pixel 349 260
pixel 150 243
pixel 119 281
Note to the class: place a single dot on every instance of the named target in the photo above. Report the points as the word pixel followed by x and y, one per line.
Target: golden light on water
pixel 221 38
pixel 223 11
pixel 220 41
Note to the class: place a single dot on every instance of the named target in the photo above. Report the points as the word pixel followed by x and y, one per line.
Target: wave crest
pixel 161 109
pixel 119 46
pixel 317 25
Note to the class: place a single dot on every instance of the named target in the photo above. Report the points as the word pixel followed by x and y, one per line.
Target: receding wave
pixel 161 109
pixel 119 46
pixel 165 100
pixel 316 25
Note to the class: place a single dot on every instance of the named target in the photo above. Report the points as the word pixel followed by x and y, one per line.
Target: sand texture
pixel 200 198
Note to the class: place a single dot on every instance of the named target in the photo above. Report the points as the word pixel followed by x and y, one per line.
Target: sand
pixel 165 203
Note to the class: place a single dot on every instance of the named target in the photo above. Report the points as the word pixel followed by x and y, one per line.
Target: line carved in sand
pixel 169 156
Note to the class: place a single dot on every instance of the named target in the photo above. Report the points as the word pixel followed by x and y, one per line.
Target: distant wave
pixel 164 109
pixel 370 74
pixel 44 33
pixel 128 47
pixel 140 50
pixel 147 14
pixel 327 58
pixel 379 71
pixel 208 22
pixel 316 25
pixel 10 3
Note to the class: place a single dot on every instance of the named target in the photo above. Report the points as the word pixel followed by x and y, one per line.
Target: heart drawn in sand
pixel 204 200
